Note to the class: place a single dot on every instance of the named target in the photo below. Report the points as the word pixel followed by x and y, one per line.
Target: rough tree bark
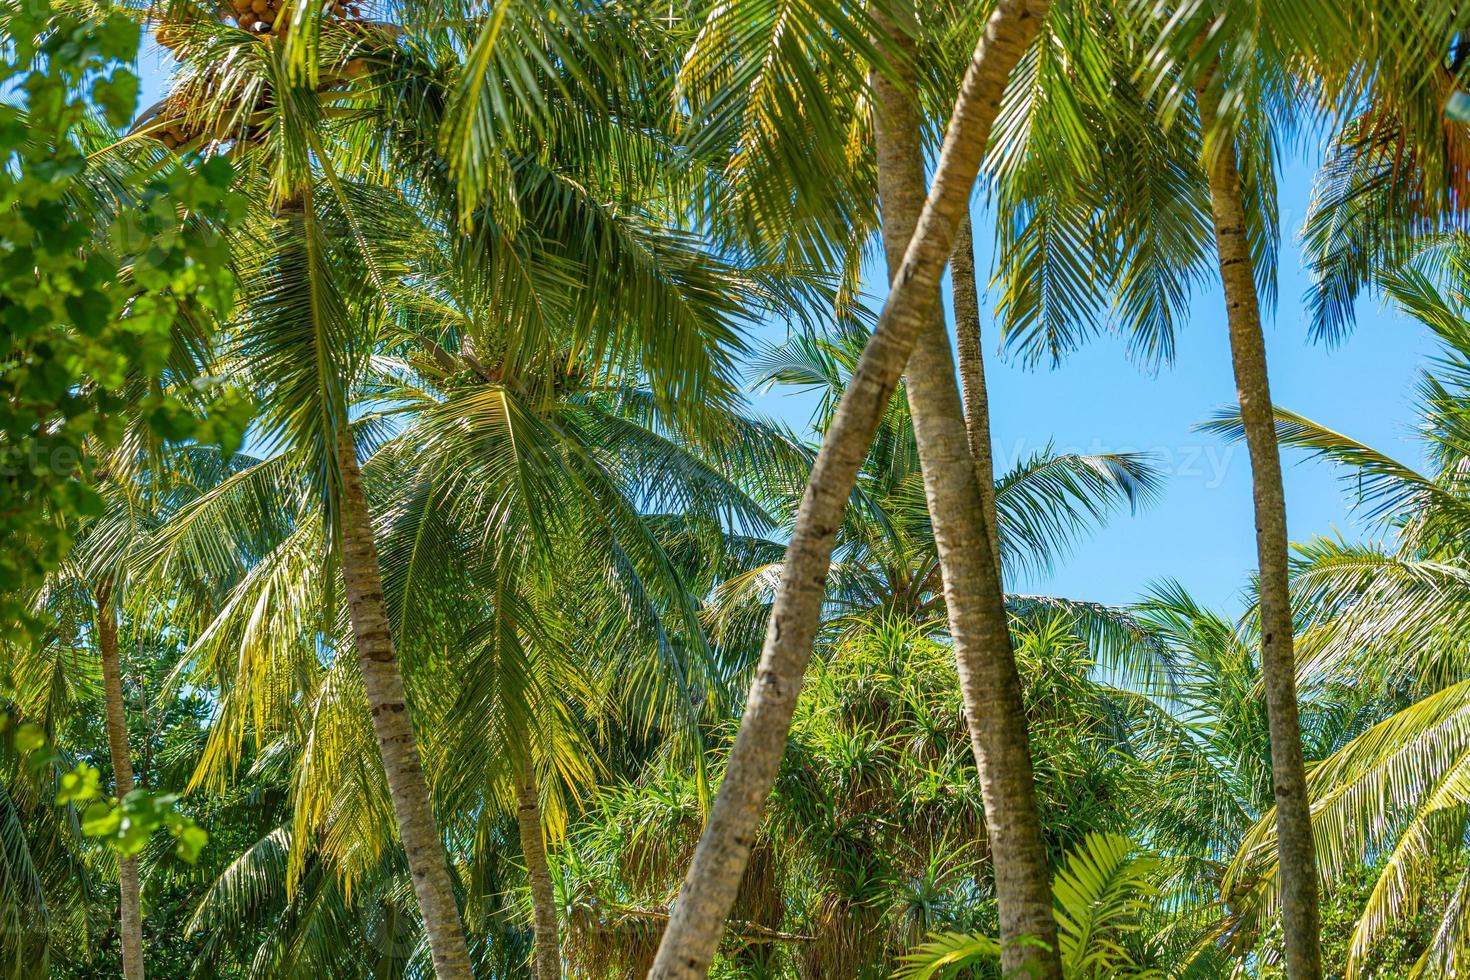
pixel 427 863
pixel 547 957
pixel 966 287
pixel 1296 852
pixel 122 774
pixel 697 922
pixel 978 624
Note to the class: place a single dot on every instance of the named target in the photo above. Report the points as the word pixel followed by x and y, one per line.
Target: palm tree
pixel 974 599
pixel 518 663
pixel 298 274
pixel 1396 169
pixel 1263 67
pixel 317 270
pixel 131 907
pixel 104 579
pixel 1389 616
pixel 513 463
pixel 141 483
pixel 1299 906
pixel 1163 192
pixel 52 884
pixel 970 359
pixel 594 479
pixel 696 923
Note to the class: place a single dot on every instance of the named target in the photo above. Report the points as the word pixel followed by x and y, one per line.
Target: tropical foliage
pixel 397 580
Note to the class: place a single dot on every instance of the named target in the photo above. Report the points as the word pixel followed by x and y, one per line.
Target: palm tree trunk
pixel 966 289
pixel 978 623
pixel 1296 854
pixel 427 863
pixel 130 899
pixel 709 890
pixel 543 894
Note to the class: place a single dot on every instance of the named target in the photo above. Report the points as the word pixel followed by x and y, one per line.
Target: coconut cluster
pixel 263 16
pixel 258 17
pixel 179 130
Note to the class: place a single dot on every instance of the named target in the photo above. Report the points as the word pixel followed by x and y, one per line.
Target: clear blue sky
pixel 1201 531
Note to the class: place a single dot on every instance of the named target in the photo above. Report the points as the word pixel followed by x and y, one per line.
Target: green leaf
pixel 117 95
pixel 101 820
pixel 29 737
pixel 82 785
pixel 191 840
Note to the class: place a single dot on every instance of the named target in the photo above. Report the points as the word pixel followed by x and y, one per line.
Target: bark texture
pixel 978 624
pixel 1300 919
pixel 966 287
pixel 547 956
pixel 427 863
pixel 130 895
pixel 697 922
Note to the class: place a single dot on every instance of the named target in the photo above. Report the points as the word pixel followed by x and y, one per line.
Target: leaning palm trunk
pixel 697 921
pixel 131 908
pixel 543 895
pixel 383 683
pixel 972 373
pixel 978 625
pixel 1296 853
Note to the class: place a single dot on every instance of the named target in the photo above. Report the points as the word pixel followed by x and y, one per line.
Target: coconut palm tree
pixel 300 281
pixel 1396 169
pixel 974 599
pixel 343 97
pixel 592 485
pixel 519 655
pixel 508 464
pixel 1196 101
pixel 1386 616
pixel 1261 67
pixel 759 86
pixel 1219 173
pixel 88 599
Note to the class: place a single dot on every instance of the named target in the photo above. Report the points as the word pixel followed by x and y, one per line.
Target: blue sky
pixel 1201 531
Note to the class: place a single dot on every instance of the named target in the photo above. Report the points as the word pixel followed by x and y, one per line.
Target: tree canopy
pixel 397 579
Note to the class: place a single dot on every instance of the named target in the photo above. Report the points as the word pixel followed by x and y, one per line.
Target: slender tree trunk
pixel 427 863
pixel 543 894
pixel 122 774
pixel 966 288
pixel 1296 853
pixel 978 624
pixel 697 922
